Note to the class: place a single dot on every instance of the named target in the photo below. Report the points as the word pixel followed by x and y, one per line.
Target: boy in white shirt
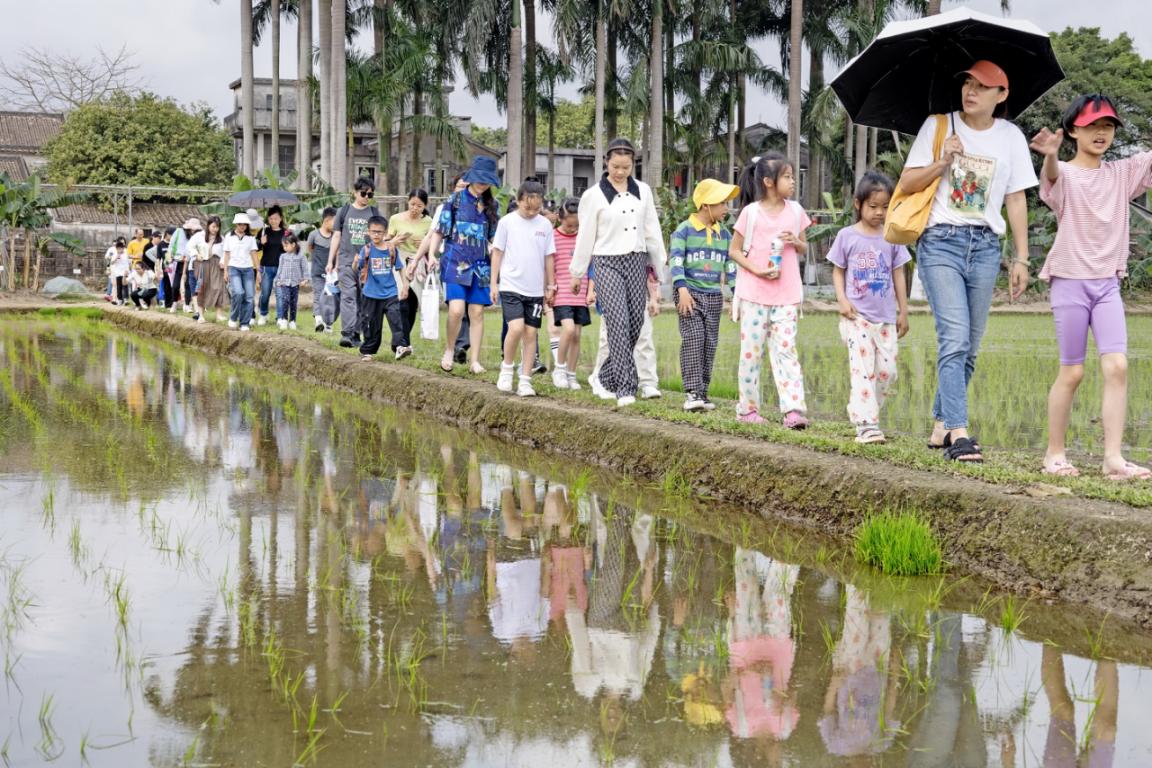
pixel 522 248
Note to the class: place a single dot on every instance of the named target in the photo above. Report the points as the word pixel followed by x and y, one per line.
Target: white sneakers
pixel 504 380
pixel 281 324
pixel 245 328
pixel 261 319
pixel 572 382
pixel 291 325
pixel 560 377
pixel 403 352
pixel 626 400
pixel 232 323
pixel 598 389
pixel 524 388
pixel 650 393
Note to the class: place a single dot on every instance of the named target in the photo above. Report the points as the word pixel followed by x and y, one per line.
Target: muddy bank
pixel 1090 552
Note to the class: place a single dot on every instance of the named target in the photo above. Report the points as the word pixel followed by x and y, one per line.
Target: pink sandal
pixel 1129 472
pixel 1061 468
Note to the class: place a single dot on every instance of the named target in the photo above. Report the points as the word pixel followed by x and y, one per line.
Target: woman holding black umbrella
pixel 984 166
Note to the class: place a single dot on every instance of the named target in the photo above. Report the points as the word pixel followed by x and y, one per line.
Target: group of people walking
pixel 606 251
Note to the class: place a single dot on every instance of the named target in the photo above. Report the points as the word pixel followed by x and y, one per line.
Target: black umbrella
pixel 263 198
pixel 909 71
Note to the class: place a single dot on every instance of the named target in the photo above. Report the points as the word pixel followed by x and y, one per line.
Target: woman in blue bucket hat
pixel 466 225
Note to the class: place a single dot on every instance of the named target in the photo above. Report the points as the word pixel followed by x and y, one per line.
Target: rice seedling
pixel 1096 640
pixel 50 746
pixel 1011 615
pixel 900 544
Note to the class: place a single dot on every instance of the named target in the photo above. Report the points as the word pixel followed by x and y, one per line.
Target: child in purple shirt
pixel 873 298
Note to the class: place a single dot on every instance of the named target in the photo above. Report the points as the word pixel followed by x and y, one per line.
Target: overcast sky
pixel 190 50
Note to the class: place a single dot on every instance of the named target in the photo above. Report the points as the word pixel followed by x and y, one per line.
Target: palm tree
pixel 601 74
pixel 513 169
pixel 339 84
pixel 324 14
pixel 247 89
pixel 655 143
pixel 303 99
pixel 528 164
pixel 795 44
pixel 553 71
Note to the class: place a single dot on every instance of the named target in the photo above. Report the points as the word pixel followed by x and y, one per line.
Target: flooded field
pixel 204 565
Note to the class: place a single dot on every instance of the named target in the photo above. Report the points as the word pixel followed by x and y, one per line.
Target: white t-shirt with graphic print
pixel 995 163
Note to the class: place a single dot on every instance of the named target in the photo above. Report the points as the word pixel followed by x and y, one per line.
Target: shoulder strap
pixel 941 133
pixel 750 227
pixel 453 206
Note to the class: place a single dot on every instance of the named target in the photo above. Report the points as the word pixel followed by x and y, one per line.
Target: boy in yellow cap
pixel 699 264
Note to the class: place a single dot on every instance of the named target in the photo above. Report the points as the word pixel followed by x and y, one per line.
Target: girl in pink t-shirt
pixel 570 310
pixel 766 244
pixel 1088 258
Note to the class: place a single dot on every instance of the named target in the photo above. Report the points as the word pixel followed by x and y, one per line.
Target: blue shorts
pixel 470 294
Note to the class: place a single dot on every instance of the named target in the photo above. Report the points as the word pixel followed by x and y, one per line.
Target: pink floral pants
pixel 872 363
pixel 776 327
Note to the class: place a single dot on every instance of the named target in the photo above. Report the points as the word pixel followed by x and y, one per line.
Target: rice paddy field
pixel 207 565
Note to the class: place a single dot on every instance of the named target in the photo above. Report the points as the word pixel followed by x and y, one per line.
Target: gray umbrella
pixel 263 198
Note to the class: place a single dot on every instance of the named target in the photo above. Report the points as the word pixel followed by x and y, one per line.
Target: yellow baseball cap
pixel 711 191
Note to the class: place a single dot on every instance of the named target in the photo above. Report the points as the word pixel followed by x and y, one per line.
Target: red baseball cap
pixel 990 75
pixel 1095 110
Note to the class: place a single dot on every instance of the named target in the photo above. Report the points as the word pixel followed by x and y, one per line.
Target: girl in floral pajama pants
pixel 776 327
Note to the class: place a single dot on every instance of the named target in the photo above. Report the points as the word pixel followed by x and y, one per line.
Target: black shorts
pixel 578 315
pixel 526 308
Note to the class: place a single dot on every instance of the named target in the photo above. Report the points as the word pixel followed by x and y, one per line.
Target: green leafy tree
pixel 1093 64
pixel 142 140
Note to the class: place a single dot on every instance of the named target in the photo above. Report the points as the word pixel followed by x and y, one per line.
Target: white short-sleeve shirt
pixel 995 163
pixel 240 250
pixel 525 244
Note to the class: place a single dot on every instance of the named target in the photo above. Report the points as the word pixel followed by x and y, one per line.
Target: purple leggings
pixel 1078 305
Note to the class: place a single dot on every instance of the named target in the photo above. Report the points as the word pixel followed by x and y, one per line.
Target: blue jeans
pixel 242 289
pixel 287 298
pixel 958 267
pixel 267 277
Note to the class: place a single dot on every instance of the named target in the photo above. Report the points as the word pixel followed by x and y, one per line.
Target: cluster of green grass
pixel 899 544
pixel 1008 397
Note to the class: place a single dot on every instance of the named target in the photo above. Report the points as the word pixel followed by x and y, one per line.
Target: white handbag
pixel 430 309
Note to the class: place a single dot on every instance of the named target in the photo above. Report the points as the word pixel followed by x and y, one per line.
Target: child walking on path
pixel 523 252
pixel 699 264
pixel 1088 258
pixel 291 273
pixel 873 297
pixel 766 245
pixel 570 310
pixel 383 291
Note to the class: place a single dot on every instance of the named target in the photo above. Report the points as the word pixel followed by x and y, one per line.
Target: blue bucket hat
pixel 483 171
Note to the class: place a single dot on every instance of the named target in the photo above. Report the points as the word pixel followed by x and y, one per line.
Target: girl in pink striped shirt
pixel 569 309
pixel 1088 258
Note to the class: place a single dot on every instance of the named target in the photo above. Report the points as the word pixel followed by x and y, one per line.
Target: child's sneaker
pixel 232 324
pixel 365 358
pixel 539 366
pixel 319 325
pixel 795 420
pixel 188 310
pixel 625 400
pixel 281 324
pixel 560 377
pixel 599 390
pixel 650 393
pixel 504 380
pixel 262 319
pixel 291 325
pixel 751 418
pixel 693 403
pixel 245 328
pixel 572 382
pixel 709 405
pixel 524 388
pixel 403 352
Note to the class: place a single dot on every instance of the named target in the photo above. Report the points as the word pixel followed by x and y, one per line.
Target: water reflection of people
pixel 517 579
pixel 760 704
pixel 612 649
pixel 1060 745
pixel 568 557
pixel 853 723
pixel 948 731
